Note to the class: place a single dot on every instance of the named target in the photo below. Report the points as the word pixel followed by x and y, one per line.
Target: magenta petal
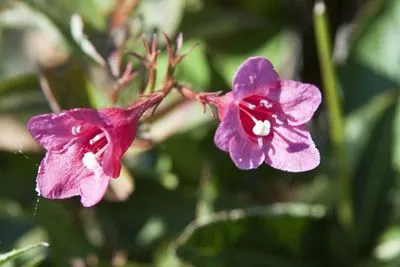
pixel 292 149
pixel 55 131
pixel 228 128
pixel 93 189
pixel 89 115
pixel 63 175
pixel 120 135
pixel 52 131
pixel 298 101
pixel 254 76
pixel 245 153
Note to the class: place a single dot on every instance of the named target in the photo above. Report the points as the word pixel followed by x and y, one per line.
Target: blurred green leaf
pixel 161 15
pixel 279 235
pixel 60 11
pixel 396 141
pixel 360 123
pixel 155 214
pixel 69 85
pixel 64 229
pixel 4 258
pixel 374 177
pixel 22 97
pixel 280 49
pixel 212 21
pixel 373 66
pixel 376 47
pixel 388 248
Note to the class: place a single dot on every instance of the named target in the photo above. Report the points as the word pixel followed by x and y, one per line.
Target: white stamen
pixel 90 161
pixel 76 129
pixel 96 138
pixel 262 128
pixel 250 106
pixel 265 103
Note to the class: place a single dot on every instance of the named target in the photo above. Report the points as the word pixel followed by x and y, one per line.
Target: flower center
pixel 94 142
pixel 98 144
pixel 256 115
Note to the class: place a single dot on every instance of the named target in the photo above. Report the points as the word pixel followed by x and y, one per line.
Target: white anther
pixel 262 128
pixel 90 161
pixel 76 129
pixel 96 138
pixel 250 106
pixel 265 103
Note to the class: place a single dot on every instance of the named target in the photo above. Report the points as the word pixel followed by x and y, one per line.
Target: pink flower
pixel 264 119
pixel 84 148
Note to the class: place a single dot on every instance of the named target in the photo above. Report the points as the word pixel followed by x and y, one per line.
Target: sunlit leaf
pixel 4 258
pixel 372 66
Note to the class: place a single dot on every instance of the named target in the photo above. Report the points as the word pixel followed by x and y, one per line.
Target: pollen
pixel 262 128
pixel 90 161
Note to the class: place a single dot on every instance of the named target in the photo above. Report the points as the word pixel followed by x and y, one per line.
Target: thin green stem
pixel 332 100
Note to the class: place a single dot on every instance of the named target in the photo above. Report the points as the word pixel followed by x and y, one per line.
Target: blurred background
pixel 180 201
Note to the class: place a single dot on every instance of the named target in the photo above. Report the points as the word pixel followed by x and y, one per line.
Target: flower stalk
pixel 331 92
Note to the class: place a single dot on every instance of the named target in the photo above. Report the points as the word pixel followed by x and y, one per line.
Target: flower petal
pixel 245 153
pixel 298 101
pixel 55 131
pixel 64 175
pixel 254 77
pixel 292 149
pixel 120 134
pixel 228 128
pixel 52 131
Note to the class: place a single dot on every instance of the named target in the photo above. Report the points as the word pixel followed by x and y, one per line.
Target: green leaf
pixel 21 97
pixel 286 234
pixel 389 245
pixel 212 22
pixel 141 230
pixel 60 11
pixel 374 178
pixel 161 15
pixel 360 123
pixel 373 66
pixel 280 49
pixel 70 86
pixel 396 143
pixel 8 257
